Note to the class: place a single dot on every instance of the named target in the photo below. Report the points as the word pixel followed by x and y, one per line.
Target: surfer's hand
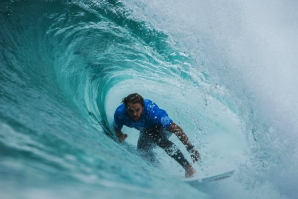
pixel 122 137
pixel 194 154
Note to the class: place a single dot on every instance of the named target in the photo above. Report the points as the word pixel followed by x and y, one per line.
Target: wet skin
pixel 134 111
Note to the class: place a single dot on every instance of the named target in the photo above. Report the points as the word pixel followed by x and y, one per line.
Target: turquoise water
pixel 225 72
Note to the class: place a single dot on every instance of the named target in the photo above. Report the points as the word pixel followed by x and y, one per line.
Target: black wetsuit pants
pixel 156 136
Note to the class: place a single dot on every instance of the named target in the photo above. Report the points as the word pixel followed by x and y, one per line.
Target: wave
pixel 65 67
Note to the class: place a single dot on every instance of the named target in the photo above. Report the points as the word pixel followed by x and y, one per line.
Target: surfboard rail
pixel 217 177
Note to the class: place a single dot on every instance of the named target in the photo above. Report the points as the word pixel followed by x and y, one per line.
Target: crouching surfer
pixel 154 124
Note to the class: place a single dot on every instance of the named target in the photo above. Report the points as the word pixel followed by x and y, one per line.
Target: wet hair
pixel 133 98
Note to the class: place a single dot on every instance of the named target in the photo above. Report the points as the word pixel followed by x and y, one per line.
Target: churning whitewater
pixel 224 71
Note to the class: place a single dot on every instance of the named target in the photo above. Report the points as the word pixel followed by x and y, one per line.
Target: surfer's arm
pixel 177 130
pixel 118 124
pixel 120 135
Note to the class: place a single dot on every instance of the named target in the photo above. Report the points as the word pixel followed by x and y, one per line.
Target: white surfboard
pixel 209 178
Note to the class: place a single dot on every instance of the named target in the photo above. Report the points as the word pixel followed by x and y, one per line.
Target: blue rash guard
pixel 151 116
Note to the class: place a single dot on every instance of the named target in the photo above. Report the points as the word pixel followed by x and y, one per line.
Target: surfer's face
pixel 134 111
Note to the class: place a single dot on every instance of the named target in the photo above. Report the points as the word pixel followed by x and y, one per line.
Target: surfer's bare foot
pixel 189 171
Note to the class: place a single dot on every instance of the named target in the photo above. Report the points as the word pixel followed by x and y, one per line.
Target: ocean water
pixel 225 71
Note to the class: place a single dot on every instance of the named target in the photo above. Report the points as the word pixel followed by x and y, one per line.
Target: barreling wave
pixel 65 65
pixel 60 59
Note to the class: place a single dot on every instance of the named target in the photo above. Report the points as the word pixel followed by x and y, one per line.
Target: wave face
pixel 225 72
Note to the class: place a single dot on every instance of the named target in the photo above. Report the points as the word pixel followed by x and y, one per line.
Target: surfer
pixel 155 127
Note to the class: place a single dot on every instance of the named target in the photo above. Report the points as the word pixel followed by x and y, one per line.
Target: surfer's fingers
pixel 194 158
pixel 198 155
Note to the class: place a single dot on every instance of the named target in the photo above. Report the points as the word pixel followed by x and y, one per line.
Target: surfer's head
pixel 134 104
pixel 133 98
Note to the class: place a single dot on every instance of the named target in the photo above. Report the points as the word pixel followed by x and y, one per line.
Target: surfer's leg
pixel 145 146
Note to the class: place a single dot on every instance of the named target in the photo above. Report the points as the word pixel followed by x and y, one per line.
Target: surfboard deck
pixel 209 178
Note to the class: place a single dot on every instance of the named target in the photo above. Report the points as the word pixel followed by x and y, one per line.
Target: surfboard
pixel 216 177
